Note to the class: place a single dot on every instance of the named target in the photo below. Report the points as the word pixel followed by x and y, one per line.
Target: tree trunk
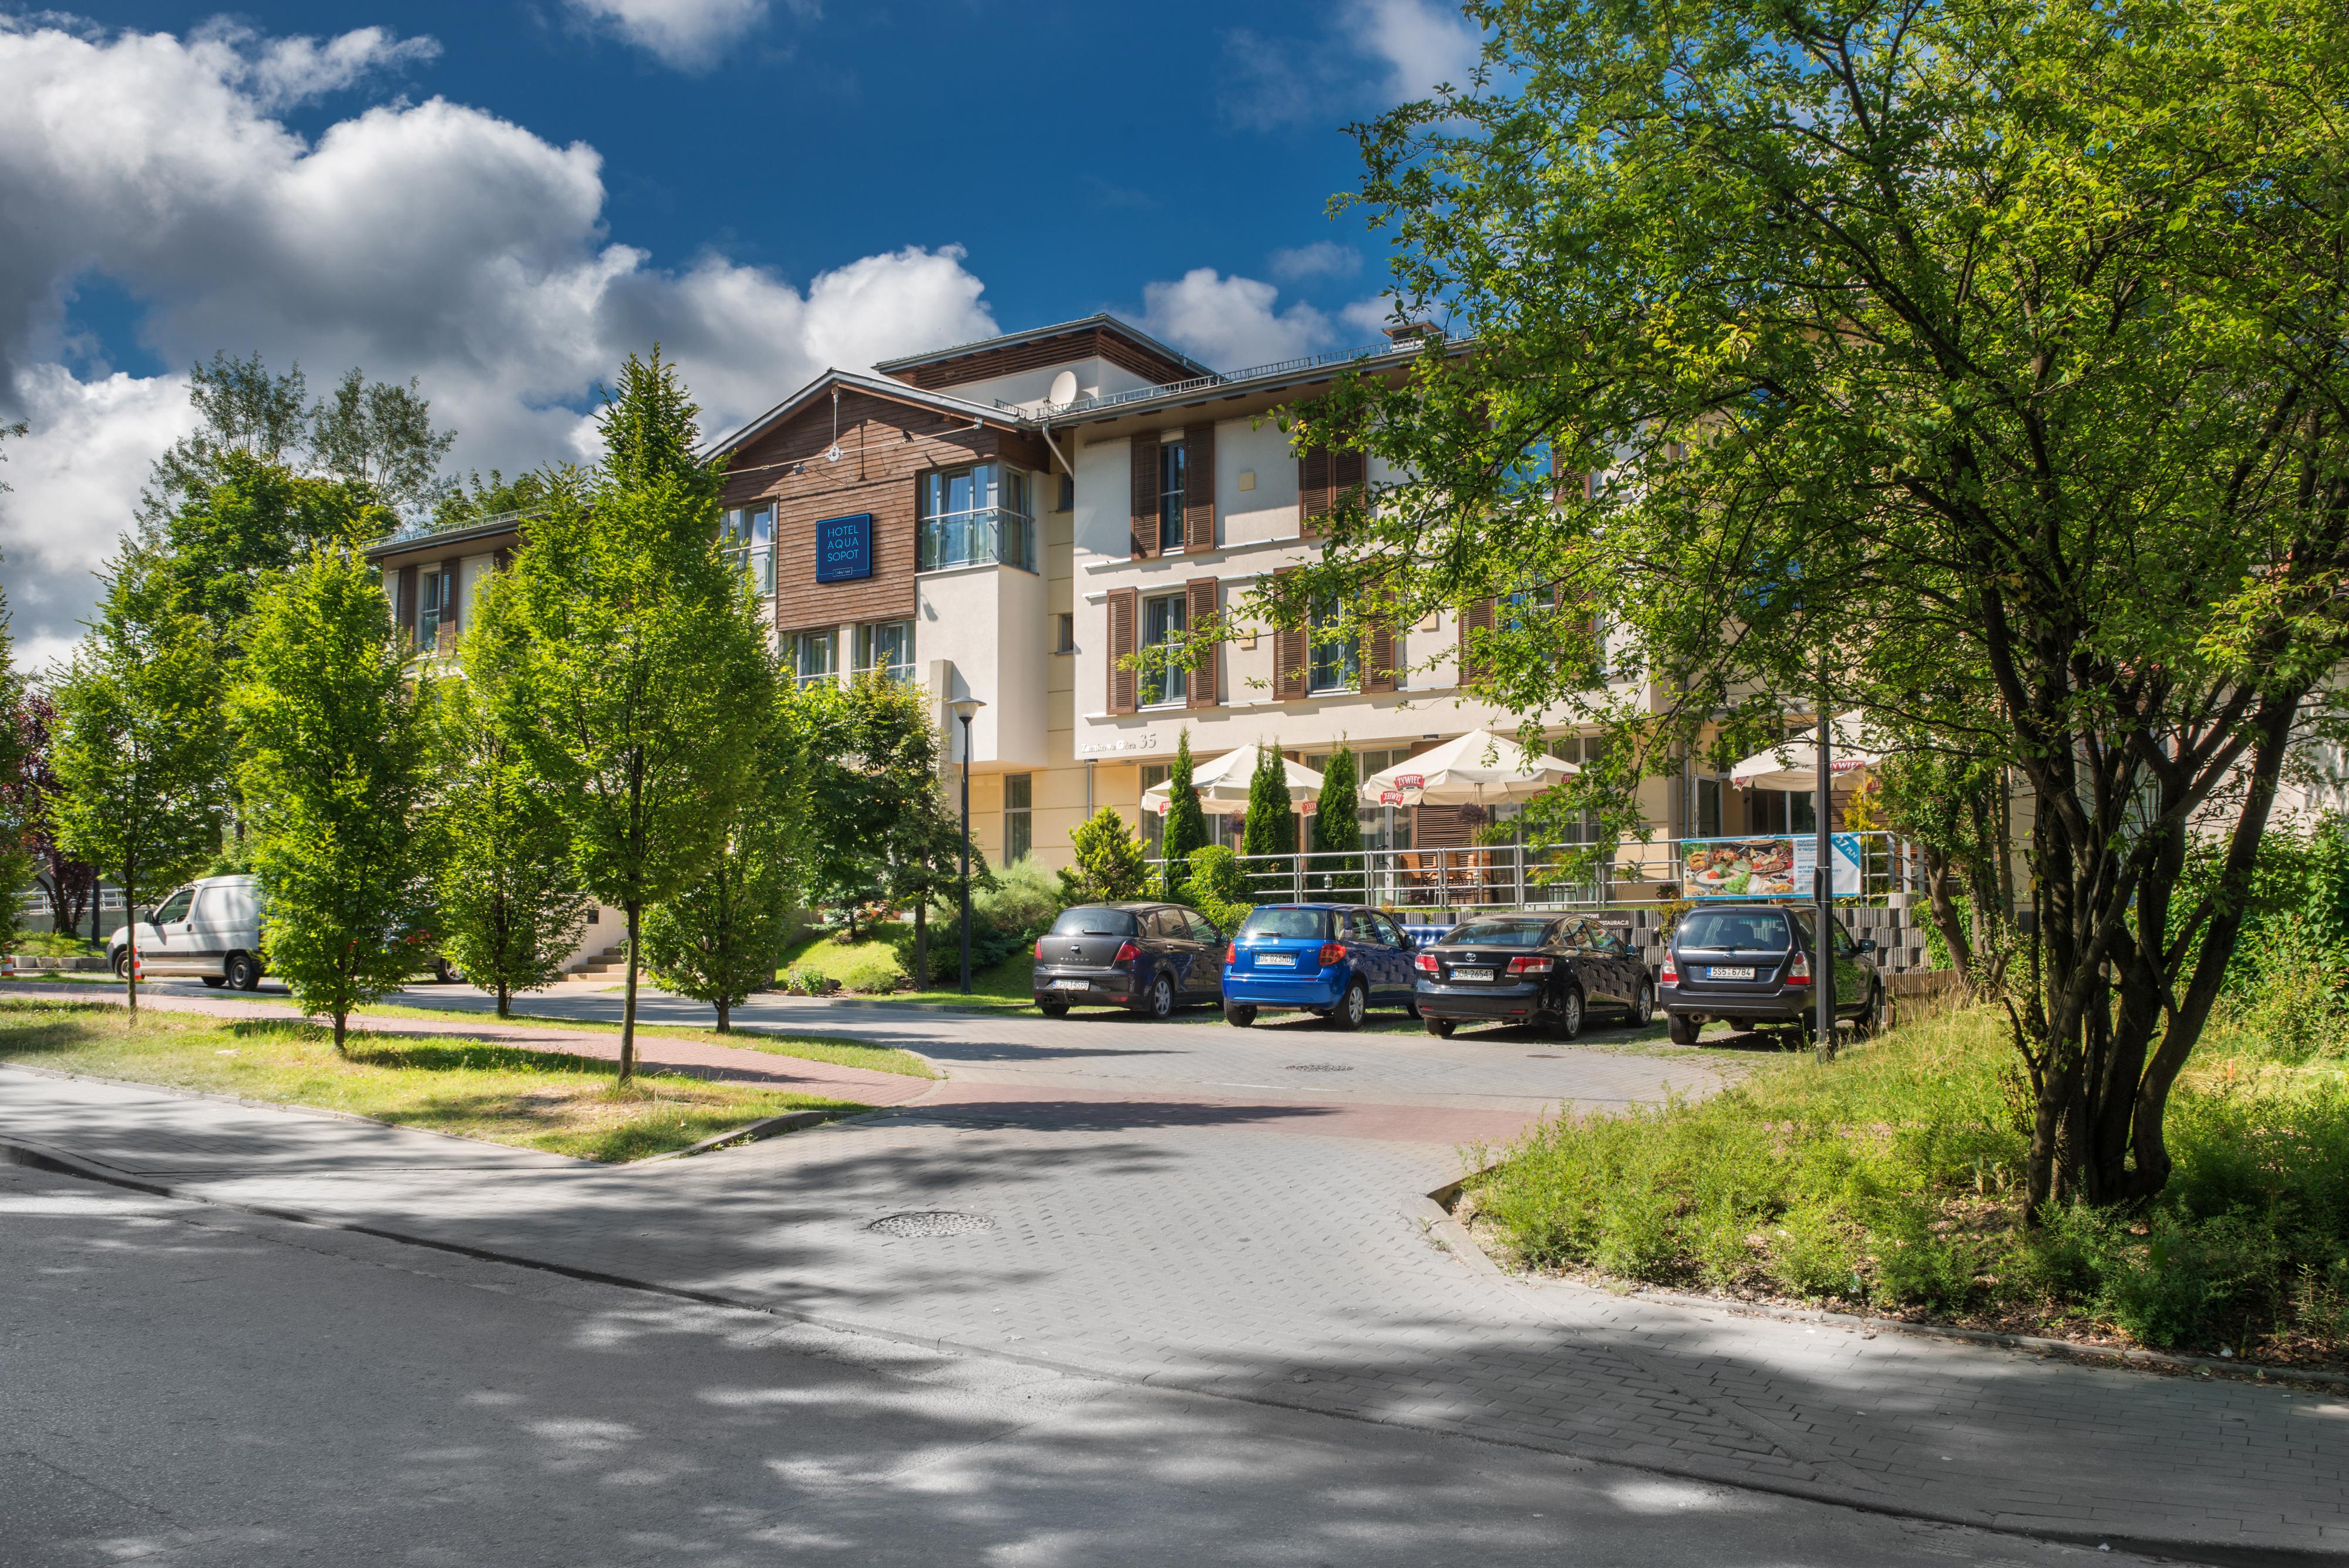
pixel 342 1030
pixel 505 999
pixel 1945 916
pixel 628 1006
pixel 922 942
pixel 131 942
pixel 725 1017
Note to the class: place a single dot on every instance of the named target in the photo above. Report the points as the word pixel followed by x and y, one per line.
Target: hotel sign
pixel 843 549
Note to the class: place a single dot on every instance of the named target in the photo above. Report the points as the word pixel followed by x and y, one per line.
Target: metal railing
pixel 1214 378
pixel 986 537
pixel 427 527
pixel 1529 877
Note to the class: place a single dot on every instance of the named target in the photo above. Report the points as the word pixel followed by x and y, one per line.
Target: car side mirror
pixel 1868 944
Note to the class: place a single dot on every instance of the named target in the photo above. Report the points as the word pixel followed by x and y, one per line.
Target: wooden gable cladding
pixel 1144 537
pixel 885 448
pixel 1202 604
pixel 1290 657
pixel 1124 608
pixel 1199 486
pixel 1036 353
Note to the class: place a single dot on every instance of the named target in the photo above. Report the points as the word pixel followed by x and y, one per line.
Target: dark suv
pixel 1756 963
pixel 1153 958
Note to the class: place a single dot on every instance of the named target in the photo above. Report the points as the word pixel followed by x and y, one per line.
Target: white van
pixel 211 929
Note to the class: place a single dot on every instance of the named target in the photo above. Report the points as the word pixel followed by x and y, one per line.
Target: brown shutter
pixel 1440 827
pixel 1200 595
pixel 1346 477
pixel 1123 607
pixel 1477 616
pixel 452 584
pixel 1378 657
pixel 1289 655
pixel 1145 497
pixel 407 611
pixel 1199 487
pixel 1312 492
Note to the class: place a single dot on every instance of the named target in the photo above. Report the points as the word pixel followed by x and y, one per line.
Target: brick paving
pixel 1270 1248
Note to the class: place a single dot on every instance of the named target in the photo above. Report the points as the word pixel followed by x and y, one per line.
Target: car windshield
pixel 1277 925
pixel 1094 922
pixel 1733 930
pixel 1500 933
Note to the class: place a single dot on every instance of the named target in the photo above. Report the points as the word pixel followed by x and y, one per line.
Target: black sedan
pixel 1151 957
pixel 1546 970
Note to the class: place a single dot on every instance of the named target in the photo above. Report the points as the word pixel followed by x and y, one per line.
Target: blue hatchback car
pixel 1335 961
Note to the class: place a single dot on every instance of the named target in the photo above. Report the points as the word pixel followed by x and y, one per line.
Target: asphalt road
pixel 182 1385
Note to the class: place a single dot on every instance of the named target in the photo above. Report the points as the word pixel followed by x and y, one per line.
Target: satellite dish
pixel 1064 389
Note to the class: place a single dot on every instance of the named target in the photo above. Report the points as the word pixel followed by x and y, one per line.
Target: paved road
pixel 186 1388
pixel 1147 1223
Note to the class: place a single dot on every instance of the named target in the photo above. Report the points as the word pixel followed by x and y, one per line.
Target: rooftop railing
pixel 429 527
pixel 1215 378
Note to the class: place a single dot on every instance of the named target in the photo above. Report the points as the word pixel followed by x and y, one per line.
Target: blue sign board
pixel 843 549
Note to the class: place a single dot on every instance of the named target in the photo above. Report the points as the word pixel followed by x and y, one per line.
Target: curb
pixel 13 1152
pixel 1434 1211
pixel 752 1132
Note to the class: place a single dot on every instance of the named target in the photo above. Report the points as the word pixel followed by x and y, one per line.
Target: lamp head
pixel 965 707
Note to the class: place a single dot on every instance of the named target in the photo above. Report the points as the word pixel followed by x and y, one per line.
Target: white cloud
pixel 689 35
pixel 1279 81
pixel 1424 43
pixel 288 71
pixel 1229 322
pixel 428 240
pixel 1322 259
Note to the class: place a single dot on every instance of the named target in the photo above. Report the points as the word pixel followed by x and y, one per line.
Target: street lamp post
pixel 965 709
pixel 1823 880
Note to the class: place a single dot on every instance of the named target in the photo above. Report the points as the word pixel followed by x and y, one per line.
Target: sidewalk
pixel 1231 1254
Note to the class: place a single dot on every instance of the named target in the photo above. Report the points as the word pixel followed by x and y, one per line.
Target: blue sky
pixel 501 199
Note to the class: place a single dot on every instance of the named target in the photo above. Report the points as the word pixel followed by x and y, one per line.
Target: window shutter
pixel 1145 497
pixel 1289 655
pixel 1346 477
pixel 1477 616
pixel 408 576
pixel 453 585
pixel 1378 657
pixel 1199 487
pixel 1312 492
pixel 1200 595
pixel 1122 605
pixel 1442 827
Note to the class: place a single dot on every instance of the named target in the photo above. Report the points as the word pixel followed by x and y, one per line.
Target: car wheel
pixel 1643 1005
pixel 1162 997
pixel 1567 1023
pixel 1680 1028
pixel 1352 1008
pixel 1053 1008
pixel 1872 1021
pixel 1441 1028
pixel 243 972
pixel 442 972
pixel 122 964
pixel 1238 1015
pixel 213 981
pixel 1411 1006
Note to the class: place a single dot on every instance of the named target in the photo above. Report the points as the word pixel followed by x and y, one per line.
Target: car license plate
pixel 1472 974
pixel 1276 961
pixel 1072 985
pixel 1730 972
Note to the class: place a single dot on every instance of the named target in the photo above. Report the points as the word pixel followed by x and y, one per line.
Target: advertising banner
pixel 1765 865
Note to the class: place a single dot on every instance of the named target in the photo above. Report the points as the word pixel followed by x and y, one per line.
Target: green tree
pixel 1270 827
pixel 632 673
pixel 1187 825
pixel 380 435
pixel 1988 356
pixel 510 904
pixel 246 521
pixel 19 797
pixel 1110 863
pixel 720 939
pixel 334 766
pixel 138 750
pixel 1337 821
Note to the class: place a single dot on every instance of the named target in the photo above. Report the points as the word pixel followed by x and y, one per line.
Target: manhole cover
pixel 932 1223
pixel 1315 1067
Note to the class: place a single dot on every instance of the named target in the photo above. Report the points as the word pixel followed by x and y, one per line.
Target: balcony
pixel 994 536
pixel 759 563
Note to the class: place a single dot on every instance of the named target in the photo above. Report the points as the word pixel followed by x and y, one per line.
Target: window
pixel 1780 811
pixel 1170 497
pixel 1290 924
pixel 1166 674
pixel 975 515
pixel 175 907
pixel 1064 637
pixel 1068 502
pixel 1708 808
pixel 885 648
pixel 1203 930
pixel 747 538
pixel 1337 661
pixel 1093 920
pixel 1018 823
pixel 810 654
pixel 433 601
pixel 1154 825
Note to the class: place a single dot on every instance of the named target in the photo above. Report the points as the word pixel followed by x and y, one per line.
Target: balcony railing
pixel 1215 378
pixel 427 527
pixel 759 563
pixel 993 535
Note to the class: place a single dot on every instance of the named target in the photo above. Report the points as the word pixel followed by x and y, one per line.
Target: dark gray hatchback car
pixel 1153 958
pixel 1756 963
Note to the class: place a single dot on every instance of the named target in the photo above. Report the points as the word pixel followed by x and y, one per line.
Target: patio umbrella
pixel 1480 768
pixel 1223 784
pixel 1794 764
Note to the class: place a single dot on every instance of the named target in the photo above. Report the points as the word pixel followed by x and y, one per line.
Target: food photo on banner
pixel 1767 866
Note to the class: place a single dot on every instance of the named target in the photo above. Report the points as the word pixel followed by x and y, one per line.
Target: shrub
pixel 53 944
pixel 872 973
pixel 1019 907
pixel 1218 888
pixel 2194 1284
pixel 1110 863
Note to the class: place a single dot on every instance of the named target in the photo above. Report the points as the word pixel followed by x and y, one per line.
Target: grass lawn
pixel 1891 1181
pixel 564 1104
pixel 1005 984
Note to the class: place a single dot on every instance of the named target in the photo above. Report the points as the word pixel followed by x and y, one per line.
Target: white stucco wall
pixel 1268 511
pixel 989 626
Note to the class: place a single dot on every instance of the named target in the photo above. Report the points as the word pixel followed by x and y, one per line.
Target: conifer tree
pixel 1271 826
pixel 1337 823
pixel 1187 825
